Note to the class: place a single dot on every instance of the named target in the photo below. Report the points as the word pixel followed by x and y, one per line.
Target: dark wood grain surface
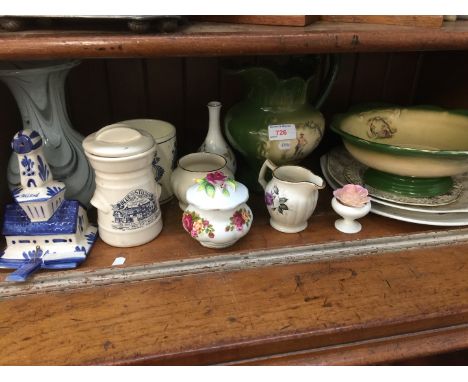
pixel 230 316
pixel 217 39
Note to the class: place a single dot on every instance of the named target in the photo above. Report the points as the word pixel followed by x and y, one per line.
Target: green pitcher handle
pixel 330 79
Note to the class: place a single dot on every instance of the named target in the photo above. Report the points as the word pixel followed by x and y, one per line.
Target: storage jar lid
pixel 216 191
pixel 117 141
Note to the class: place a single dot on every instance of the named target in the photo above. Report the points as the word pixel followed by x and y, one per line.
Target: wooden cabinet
pixel 394 291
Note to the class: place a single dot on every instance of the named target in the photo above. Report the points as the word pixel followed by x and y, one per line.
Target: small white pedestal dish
pixel 217 215
pixel 349 215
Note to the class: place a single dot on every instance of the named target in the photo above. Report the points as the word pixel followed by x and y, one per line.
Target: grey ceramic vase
pixel 39 90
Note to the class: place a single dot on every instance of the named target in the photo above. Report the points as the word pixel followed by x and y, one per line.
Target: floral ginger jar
pixel 217 215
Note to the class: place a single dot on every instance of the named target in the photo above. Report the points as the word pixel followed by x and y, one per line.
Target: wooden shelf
pixel 174 252
pixel 217 39
pixel 376 296
pixel 364 309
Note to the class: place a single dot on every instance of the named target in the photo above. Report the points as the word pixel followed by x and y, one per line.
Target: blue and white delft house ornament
pixel 42 228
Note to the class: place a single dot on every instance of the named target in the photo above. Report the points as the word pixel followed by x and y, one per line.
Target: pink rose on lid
pixel 352 195
pixel 215 177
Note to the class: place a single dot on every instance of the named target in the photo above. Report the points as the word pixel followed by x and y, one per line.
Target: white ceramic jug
pixel 126 196
pixel 290 196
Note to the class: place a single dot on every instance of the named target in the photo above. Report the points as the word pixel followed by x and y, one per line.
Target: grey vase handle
pixel 330 79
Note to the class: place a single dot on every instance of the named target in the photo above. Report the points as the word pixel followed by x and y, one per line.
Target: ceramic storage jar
pixel 127 195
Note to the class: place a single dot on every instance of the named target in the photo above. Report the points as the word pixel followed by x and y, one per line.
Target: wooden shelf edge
pixel 327 347
pixel 333 251
pixel 214 39
pixel 376 351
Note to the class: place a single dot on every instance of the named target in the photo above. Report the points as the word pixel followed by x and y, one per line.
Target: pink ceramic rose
pixel 215 177
pixel 352 195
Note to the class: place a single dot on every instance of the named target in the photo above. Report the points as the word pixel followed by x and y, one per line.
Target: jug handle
pixel 99 201
pixel 329 80
pixel 261 175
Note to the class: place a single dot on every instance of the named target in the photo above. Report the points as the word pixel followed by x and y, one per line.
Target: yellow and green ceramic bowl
pixel 410 151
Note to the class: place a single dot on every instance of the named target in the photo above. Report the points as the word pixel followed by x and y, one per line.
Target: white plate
pixel 459 204
pixel 437 219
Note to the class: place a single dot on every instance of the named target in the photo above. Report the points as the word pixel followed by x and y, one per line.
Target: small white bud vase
pixel 214 141
pixel 349 215
pixel 217 215
pixel 126 196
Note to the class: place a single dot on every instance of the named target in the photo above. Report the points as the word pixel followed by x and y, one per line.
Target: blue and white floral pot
pixel 165 157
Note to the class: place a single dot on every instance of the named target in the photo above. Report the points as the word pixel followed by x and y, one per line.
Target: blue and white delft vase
pixel 42 228
pixel 39 90
pixel 127 195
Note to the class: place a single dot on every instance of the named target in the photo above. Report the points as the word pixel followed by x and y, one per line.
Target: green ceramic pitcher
pixel 279 118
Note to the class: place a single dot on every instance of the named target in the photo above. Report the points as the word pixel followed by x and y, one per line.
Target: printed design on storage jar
pixel 158 170
pixel 174 156
pixel 213 180
pixel 195 225
pixel 276 202
pixel 241 218
pixel 137 209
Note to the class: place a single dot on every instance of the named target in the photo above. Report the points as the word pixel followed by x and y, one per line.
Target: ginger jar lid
pixel 117 141
pixel 216 191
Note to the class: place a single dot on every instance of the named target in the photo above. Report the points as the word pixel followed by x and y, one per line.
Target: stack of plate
pixel 450 209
